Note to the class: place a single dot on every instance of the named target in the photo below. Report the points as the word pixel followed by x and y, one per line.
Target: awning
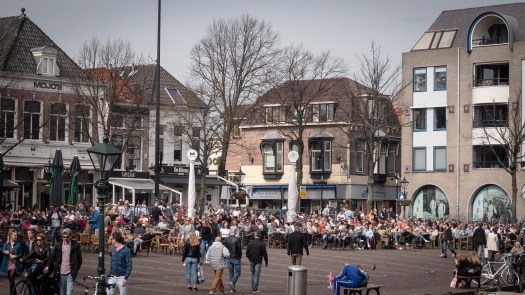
pixel 273 192
pixel 183 179
pixel 140 185
pixel 9 185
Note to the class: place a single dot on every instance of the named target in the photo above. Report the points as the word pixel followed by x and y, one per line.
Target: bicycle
pixel 26 287
pixel 504 274
pixel 95 288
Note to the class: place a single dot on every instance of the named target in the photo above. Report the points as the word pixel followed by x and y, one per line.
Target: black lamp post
pixel 322 183
pixel 404 183
pixel 104 157
pixel 238 178
pixel 2 166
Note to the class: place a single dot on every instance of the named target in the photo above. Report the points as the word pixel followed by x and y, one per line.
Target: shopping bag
pixel 453 282
pixel 486 252
pixel 200 274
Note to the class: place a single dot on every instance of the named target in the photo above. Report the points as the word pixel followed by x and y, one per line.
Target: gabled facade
pixel 467 73
pixel 334 161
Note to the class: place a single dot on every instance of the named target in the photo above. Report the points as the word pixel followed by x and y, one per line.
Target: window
pixel 31 120
pixel 46 60
pixel 491 74
pixel 82 123
pixel 118 141
pixel 435 39
pixel 117 120
pixel 237 131
pixel 177 150
pixel 273 156
pixel 440 118
pixel 196 132
pixel 323 112
pixel 487 156
pixel 178 130
pixel 391 162
pixel 359 152
pixel 375 109
pixel 419 159
pixel 495 34
pixel 491 116
pixel 381 160
pixel 135 122
pixel 48 66
pixel 7 123
pixel 440 78
pixel 440 158
pixel 275 114
pixel 420 120
pixel 420 79
pixel 321 156
pixel 57 125
pixel 134 152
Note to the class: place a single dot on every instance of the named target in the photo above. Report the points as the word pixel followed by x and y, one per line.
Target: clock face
pixel 192 155
pixel 293 156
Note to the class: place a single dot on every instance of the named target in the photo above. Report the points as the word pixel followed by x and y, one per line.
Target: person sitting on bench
pixel 351 276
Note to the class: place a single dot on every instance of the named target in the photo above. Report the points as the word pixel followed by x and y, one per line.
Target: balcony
pixel 490 164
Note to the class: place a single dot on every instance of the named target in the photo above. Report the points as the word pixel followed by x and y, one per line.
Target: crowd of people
pixel 217 233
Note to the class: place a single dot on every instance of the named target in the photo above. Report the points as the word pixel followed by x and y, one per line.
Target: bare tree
pixel 373 120
pixel 503 133
pixel 234 63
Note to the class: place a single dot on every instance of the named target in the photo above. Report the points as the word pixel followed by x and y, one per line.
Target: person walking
pixel 256 252
pixel 479 238
pixel 216 256
pixel 492 242
pixel 121 264
pixel 447 241
pixel 66 260
pixel 11 252
pixel 191 258
pixel 233 244
pixel 296 244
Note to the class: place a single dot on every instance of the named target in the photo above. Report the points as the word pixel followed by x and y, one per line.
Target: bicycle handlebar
pixel 96 277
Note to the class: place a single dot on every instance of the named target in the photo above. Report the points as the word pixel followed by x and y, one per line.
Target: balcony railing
pixel 490 41
pixel 491 82
pixel 490 123
pixel 490 164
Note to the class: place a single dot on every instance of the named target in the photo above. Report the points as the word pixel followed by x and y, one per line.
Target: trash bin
pixel 296 280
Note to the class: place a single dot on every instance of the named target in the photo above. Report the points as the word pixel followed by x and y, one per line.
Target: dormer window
pixel 491 28
pixel 46 61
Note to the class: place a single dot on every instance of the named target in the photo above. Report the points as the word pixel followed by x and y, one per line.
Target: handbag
pixel 200 274
pixel 453 282
pixel 486 252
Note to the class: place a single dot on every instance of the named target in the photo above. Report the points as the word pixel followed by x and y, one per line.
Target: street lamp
pixel 404 183
pixel 238 177
pixel 2 166
pixel 104 157
pixel 322 183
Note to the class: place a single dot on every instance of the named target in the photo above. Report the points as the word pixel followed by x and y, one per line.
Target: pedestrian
pixel 296 244
pixel 11 252
pixel 479 238
pixel 492 242
pixel 447 241
pixel 121 264
pixel 216 256
pixel 256 252
pixel 234 246
pixel 66 261
pixel 191 258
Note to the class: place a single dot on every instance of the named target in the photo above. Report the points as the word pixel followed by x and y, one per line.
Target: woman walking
pixel 492 242
pixel 191 258
pixel 12 252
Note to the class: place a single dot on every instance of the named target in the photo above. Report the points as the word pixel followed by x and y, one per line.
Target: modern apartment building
pixel 467 79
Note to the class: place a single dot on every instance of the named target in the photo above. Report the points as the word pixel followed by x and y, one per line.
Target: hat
pixel 66 231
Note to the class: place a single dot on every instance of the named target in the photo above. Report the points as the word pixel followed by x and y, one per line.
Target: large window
pixel 440 118
pixel 440 158
pixel 420 79
pixel 324 112
pixel 57 125
pixel 440 78
pixel 491 115
pixel 490 156
pixel 273 156
pixel 134 152
pixel 177 150
pixel 31 120
pixel 492 74
pixel 7 123
pixel 82 123
pixel 321 156
pixel 116 120
pixel 419 158
pixel 420 120
pixel 118 141
pixel 275 114
pixel 359 157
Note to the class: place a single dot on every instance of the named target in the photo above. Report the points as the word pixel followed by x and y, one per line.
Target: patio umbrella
pixel 292 188
pixel 55 188
pixel 73 186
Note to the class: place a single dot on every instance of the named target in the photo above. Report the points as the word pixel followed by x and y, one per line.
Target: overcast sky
pixel 345 27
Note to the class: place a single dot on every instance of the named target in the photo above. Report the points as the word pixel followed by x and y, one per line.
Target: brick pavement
pixel 402 272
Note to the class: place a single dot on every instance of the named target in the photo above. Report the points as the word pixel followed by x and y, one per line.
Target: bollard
pixel 296 280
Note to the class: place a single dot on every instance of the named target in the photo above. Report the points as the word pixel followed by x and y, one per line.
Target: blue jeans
pixel 203 248
pixel 234 268
pixel 55 234
pixel 66 284
pixel 256 272
pixel 447 245
pixel 191 270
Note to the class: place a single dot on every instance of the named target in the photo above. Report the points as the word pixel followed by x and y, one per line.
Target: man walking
pixel 234 246
pixel 479 238
pixel 217 254
pixel 296 244
pixel 447 241
pixel 255 252
pixel 120 264
pixel 67 260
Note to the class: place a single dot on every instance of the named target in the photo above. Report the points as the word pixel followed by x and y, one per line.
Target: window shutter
pixel 419 159
pixel 440 159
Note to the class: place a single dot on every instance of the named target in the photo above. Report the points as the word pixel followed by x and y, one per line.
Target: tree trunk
pixel 202 193
pixel 514 197
pixel 221 165
pixel 370 195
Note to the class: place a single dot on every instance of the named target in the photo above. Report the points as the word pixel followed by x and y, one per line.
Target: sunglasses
pixel 39 239
pixel 65 236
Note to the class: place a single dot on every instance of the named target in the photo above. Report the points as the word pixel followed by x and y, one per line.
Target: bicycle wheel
pixel 486 274
pixel 22 288
pixel 510 277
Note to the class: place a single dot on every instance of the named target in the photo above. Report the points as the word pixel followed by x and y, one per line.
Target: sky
pixel 344 27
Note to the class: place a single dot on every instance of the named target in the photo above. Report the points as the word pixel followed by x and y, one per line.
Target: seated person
pixel 328 238
pixel 463 266
pixel 351 276
pixel 475 263
pixel 148 236
pixel 517 249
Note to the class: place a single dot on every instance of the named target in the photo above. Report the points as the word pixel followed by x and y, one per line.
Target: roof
pixel 461 20
pixel 18 35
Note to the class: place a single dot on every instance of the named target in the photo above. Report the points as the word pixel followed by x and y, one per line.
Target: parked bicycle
pixel 94 288
pixel 505 274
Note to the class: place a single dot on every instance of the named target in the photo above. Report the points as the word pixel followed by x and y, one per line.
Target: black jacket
pixel 191 251
pixel 479 237
pixel 37 254
pixel 296 243
pixel 75 258
pixel 25 246
pixel 234 246
pixel 256 251
pixel 447 235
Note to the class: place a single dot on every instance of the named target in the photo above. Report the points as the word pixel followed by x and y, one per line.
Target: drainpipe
pixel 458 138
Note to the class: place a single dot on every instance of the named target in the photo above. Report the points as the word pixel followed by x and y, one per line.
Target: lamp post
pixel 322 183
pixel 238 178
pixel 2 166
pixel 404 183
pixel 104 156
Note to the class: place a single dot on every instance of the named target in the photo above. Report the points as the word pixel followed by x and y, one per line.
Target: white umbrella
pixel 292 187
pixel 192 155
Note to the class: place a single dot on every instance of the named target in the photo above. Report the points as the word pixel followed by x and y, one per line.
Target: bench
pixel 359 290
pixel 468 280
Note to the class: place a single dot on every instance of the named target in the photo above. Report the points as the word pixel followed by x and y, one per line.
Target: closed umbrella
pixel 55 189
pixel 73 186
pixel 292 188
